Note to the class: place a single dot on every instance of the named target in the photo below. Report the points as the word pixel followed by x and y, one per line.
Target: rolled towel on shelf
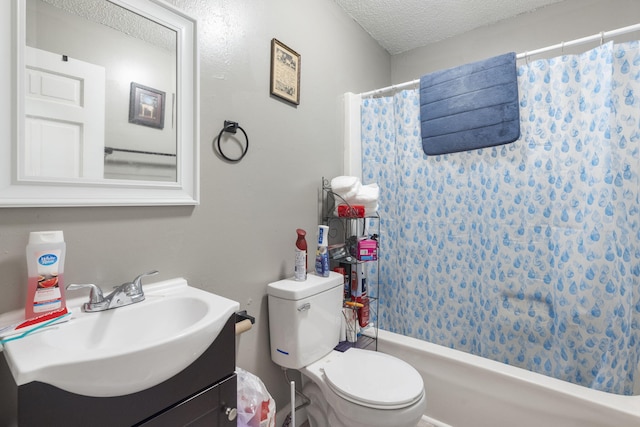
pixel 346 186
pixel 371 210
pixel 344 183
pixel 367 195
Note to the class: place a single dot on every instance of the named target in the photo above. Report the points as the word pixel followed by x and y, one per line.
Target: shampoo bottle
pixel 322 253
pixel 300 272
pixel 45 265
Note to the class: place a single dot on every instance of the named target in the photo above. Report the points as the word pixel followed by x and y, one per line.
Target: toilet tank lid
pixel 296 290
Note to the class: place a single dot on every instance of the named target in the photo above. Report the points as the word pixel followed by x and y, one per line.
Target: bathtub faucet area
pixel 125 294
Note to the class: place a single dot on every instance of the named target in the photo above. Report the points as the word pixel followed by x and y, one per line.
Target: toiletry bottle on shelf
pixel 343 271
pixel 301 256
pixel 322 253
pixel 363 312
pixel 45 265
pixel 359 293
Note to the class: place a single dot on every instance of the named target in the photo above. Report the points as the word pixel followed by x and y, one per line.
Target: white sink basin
pixel 124 350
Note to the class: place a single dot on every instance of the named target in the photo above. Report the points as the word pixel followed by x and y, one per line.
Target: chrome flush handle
pixel 304 307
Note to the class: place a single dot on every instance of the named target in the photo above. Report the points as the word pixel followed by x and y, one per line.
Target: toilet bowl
pixel 362 388
pixel 355 388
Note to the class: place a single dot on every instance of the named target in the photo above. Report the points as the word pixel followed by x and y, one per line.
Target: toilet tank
pixel 304 318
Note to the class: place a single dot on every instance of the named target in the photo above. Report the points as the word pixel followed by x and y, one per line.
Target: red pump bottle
pixel 301 256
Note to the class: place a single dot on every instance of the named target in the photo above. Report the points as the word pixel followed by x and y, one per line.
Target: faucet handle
pixel 137 282
pixel 95 296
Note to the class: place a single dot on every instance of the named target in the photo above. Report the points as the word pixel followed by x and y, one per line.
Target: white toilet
pixel 353 388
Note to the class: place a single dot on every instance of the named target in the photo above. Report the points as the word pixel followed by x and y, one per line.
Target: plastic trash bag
pixel 256 407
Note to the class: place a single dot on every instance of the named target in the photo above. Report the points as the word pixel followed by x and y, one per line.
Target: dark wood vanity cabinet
pixel 208 408
pixel 203 394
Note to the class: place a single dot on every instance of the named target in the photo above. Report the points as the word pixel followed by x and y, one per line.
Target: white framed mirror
pixel 104 104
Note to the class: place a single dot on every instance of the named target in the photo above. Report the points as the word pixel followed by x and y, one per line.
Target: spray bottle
pixel 300 272
pixel 322 253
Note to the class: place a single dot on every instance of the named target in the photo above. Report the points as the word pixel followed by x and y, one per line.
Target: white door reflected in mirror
pixel 64 117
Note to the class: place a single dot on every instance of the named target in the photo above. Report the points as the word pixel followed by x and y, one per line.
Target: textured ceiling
pixel 120 19
pixel 402 25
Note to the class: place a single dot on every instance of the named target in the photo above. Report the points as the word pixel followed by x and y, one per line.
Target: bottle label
pixel 48 259
pixel 48 262
pixel 300 272
pixel 48 295
pixel 322 261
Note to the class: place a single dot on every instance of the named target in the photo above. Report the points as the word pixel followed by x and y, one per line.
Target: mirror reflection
pixel 100 94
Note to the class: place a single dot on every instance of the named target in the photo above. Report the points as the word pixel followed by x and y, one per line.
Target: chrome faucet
pixel 125 294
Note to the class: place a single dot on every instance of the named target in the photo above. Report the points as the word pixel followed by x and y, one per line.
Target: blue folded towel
pixel 471 106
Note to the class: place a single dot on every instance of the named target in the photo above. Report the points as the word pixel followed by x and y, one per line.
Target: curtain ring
pixel 562 48
pixel 526 57
pixel 232 127
pixel 601 38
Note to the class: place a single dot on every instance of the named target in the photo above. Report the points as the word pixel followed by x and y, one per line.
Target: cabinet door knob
pixel 231 413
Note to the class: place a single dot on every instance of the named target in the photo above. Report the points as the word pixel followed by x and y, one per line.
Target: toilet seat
pixel 375 380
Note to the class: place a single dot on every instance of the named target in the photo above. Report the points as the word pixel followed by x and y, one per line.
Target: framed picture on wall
pixel 146 106
pixel 285 72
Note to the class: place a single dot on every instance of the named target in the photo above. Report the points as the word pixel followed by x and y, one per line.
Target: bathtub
pixel 464 390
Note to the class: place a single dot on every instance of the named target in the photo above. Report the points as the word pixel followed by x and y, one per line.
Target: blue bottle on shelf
pixel 322 253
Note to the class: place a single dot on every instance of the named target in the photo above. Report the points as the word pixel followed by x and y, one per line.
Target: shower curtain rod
pixel 600 36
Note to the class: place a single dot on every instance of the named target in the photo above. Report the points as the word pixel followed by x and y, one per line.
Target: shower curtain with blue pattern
pixel 526 253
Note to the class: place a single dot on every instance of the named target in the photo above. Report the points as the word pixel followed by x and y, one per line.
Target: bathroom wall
pixel 242 234
pixel 564 21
